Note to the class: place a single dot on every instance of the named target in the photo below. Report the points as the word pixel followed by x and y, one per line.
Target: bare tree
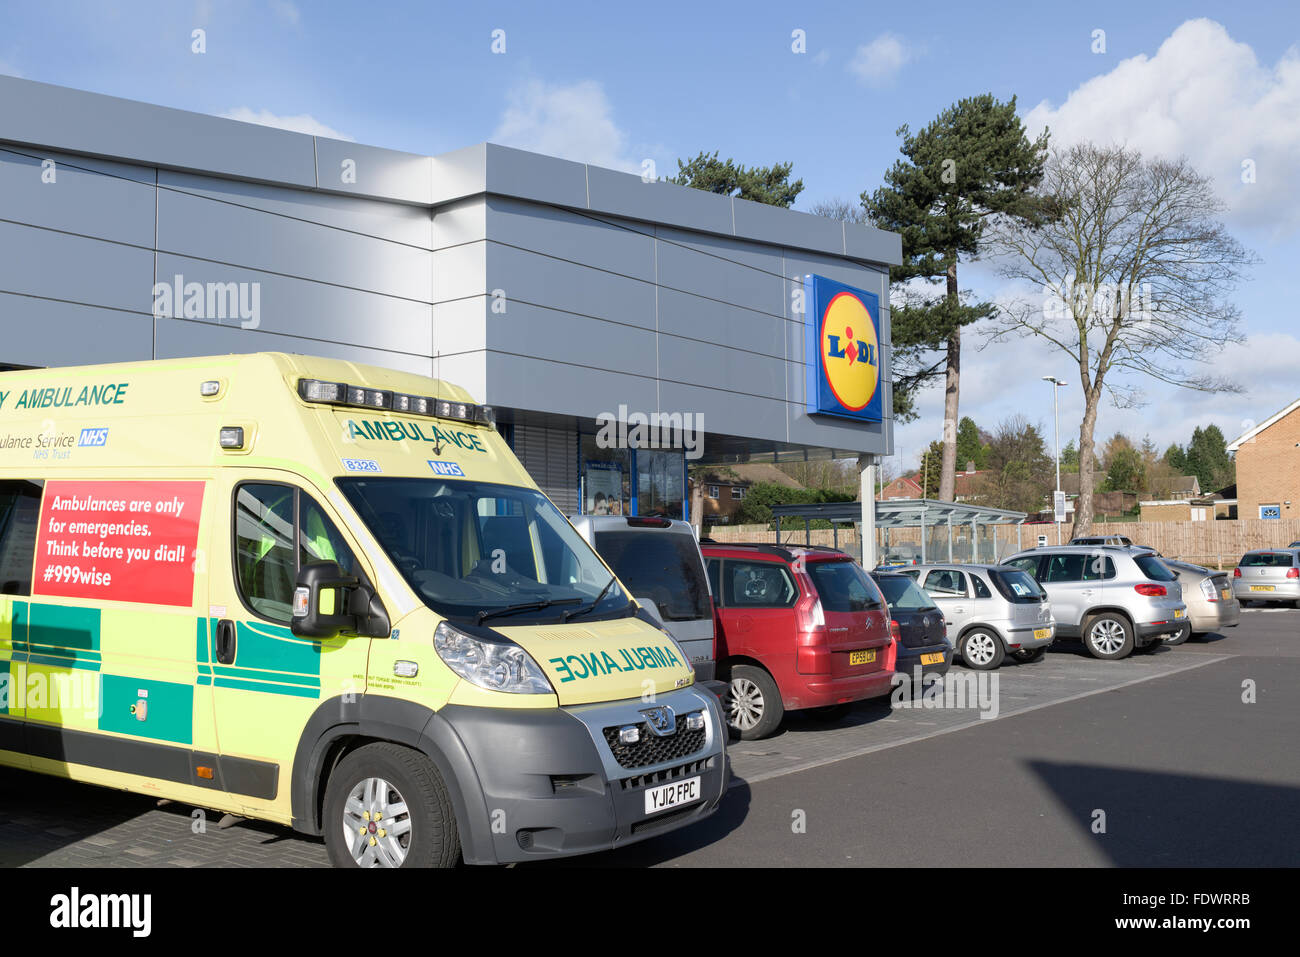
pixel 839 208
pixel 1135 272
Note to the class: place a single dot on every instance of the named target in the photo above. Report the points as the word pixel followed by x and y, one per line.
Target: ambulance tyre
pixel 397 798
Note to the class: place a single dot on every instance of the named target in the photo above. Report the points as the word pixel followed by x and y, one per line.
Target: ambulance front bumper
pixel 556 782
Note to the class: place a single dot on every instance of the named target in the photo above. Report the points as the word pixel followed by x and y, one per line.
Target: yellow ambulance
pixel 328 595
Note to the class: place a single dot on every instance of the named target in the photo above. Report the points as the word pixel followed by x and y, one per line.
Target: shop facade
pixel 623 329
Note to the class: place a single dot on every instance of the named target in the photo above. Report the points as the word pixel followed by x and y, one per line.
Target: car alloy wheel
pixel 980 649
pixel 745 704
pixel 376 824
pixel 1107 636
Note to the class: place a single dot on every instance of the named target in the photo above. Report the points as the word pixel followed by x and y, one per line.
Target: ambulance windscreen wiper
pixel 526 606
pixel 582 611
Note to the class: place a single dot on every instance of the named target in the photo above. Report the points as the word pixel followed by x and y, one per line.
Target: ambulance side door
pixel 266 681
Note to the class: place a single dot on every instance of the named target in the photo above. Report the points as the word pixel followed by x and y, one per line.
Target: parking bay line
pixel 975 722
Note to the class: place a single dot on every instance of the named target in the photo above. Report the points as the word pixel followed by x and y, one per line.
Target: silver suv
pixel 1116 598
pixel 991 611
pixel 659 560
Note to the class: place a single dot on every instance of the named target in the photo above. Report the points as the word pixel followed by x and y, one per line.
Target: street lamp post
pixel 1056 440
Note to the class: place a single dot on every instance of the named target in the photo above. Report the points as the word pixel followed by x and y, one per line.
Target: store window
pixel 660 483
pixel 606 479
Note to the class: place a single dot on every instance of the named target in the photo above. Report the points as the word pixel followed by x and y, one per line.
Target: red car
pixel 797 629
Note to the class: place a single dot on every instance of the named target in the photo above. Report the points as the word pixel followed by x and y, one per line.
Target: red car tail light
pixel 1236 573
pixel 894 631
pixel 1293 573
pixel 1151 591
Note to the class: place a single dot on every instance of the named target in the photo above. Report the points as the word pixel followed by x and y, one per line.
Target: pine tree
pixel 762 184
pixel 971 163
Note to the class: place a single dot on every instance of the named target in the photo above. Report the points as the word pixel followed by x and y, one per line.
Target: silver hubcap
pixel 1107 636
pixel 744 704
pixel 376 824
pixel 979 648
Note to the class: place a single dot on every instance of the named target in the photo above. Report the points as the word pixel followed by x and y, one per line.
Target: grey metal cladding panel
pixel 78 122
pixel 522 382
pixel 460 173
pixel 723 277
pixel 387 174
pixel 460 222
pixel 39 262
pixel 459 271
pixel 798 264
pixel 564 337
pixel 569 287
pixel 41 332
pixel 625 194
pixel 460 326
pixel 694 317
pixel 721 366
pixel 727 413
pixel 300 307
pixel 392 221
pixel 876 245
pixel 180 338
pixel 198 227
pixel 788 227
pixel 79 200
pixel 545 179
pixel 573 236
pixel 829 432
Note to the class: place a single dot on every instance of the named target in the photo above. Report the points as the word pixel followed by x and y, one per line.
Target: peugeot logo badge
pixel 661 720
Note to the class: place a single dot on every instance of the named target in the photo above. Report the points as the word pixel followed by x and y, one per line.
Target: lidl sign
pixel 843 335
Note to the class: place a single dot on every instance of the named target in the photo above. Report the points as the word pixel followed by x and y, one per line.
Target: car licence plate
pixel 672 795
pixel 933 659
pixel 1261 587
pixel 1042 632
pixel 1178 613
pixel 862 657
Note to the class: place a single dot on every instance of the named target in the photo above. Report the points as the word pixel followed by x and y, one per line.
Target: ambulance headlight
pixel 494 665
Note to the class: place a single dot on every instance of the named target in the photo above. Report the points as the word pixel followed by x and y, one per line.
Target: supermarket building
pixel 570 297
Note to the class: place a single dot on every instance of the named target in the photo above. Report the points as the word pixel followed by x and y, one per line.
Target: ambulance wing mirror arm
pixel 328 603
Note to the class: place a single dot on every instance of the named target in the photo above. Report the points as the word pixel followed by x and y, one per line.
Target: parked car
pixel 799 628
pixel 1102 540
pixel 1211 605
pixel 1114 598
pixel 659 560
pixel 991 611
pixel 1268 575
pixel 918 626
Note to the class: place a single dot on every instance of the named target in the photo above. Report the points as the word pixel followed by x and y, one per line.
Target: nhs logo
pixel 446 468
pixel 93 437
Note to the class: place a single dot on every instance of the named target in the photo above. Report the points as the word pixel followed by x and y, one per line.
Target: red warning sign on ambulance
pixel 119 541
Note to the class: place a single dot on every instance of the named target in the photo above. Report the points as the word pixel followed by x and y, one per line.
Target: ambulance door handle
pixel 226 642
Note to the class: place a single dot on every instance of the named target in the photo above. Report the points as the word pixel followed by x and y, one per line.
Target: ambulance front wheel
pixel 387 806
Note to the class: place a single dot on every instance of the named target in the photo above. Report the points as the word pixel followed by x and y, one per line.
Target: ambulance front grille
pixel 652 748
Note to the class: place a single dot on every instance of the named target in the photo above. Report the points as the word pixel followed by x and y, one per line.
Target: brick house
pixel 1268 466
pixel 902 487
pixel 723 488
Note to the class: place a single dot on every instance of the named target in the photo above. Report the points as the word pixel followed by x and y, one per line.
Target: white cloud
pixel 573 121
pixel 286 11
pixel 879 61
pixel 302 123
pixel 1205 96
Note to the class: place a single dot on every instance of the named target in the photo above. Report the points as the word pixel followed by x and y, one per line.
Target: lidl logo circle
pixel 848 351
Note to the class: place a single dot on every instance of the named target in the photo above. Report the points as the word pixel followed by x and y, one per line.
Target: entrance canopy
pixel 913 530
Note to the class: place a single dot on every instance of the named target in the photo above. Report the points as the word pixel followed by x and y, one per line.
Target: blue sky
pixel 619 84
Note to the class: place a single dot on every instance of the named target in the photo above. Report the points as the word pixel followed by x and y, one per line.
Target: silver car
pixel 1116 598
pixel 1211 605
pixel 991 611
pixel 1268 575
pixel 659 561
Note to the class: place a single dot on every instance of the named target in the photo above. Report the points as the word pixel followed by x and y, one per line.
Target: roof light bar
pixel 341 393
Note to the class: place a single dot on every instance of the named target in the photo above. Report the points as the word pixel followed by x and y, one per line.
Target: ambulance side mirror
pixel 328 603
